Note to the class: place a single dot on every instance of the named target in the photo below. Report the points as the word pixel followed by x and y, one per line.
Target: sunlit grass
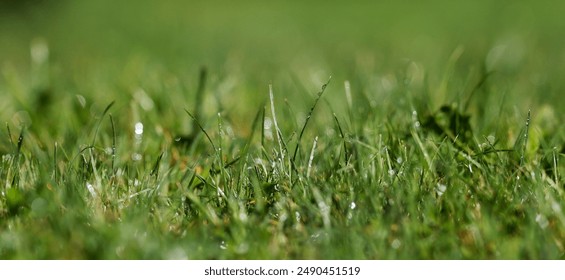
pixel 236 146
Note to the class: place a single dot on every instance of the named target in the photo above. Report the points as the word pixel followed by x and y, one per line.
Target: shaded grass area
pixel 439 149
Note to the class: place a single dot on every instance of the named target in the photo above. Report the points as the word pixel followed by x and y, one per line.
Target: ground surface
pixel 212 130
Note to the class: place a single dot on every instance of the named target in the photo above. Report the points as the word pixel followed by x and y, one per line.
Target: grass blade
pixel 201 129
pixel 198 102
pixel 346 152
pixel 155 170
pixel 275 123
pixel 10 135
pixel 308 118
pixel 311 157
pixel 113 143
pixel 20 141
pixel 526 135
pixel 100 121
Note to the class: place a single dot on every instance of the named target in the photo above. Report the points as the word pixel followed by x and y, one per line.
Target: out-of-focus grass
pixel 416 149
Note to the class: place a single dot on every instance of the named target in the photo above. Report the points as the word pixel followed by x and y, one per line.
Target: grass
pixel 433 139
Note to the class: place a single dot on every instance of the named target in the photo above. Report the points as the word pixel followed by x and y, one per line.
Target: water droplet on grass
pixel 136 157
pixel 243 216
pixel 90 189
pixel 441 188
pixel 267 125
pixel 138 130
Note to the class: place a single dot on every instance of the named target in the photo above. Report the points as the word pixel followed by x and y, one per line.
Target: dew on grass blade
pixel 415 120
pixel 441 188
pixel 136 157
pixel 138 135
pixel 90 189
pixel 348 94
pixel 138 130
pixel 243 216
pixel 399 160
pixel 352 206
pixel 268 125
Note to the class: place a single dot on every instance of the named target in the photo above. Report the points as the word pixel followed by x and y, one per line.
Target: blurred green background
pixel 442 47
pixel 270 41
pixel 337 36
pixel 433 51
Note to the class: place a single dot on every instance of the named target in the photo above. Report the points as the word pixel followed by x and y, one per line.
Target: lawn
pixel 282 130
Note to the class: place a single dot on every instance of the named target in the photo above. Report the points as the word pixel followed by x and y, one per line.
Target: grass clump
pixel 395 187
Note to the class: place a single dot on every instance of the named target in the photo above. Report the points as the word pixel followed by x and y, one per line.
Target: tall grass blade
pixel 308 118
pixel 198 102
pixel 201 129
pixel 20 141
pixel 311 157
pixel 55 175
pixel 275 123
pixel 263 126
pixel 113 143
pixel 155 170
pixel 10 135
pixel 342 135
pixel 100 122
pixel 525 141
